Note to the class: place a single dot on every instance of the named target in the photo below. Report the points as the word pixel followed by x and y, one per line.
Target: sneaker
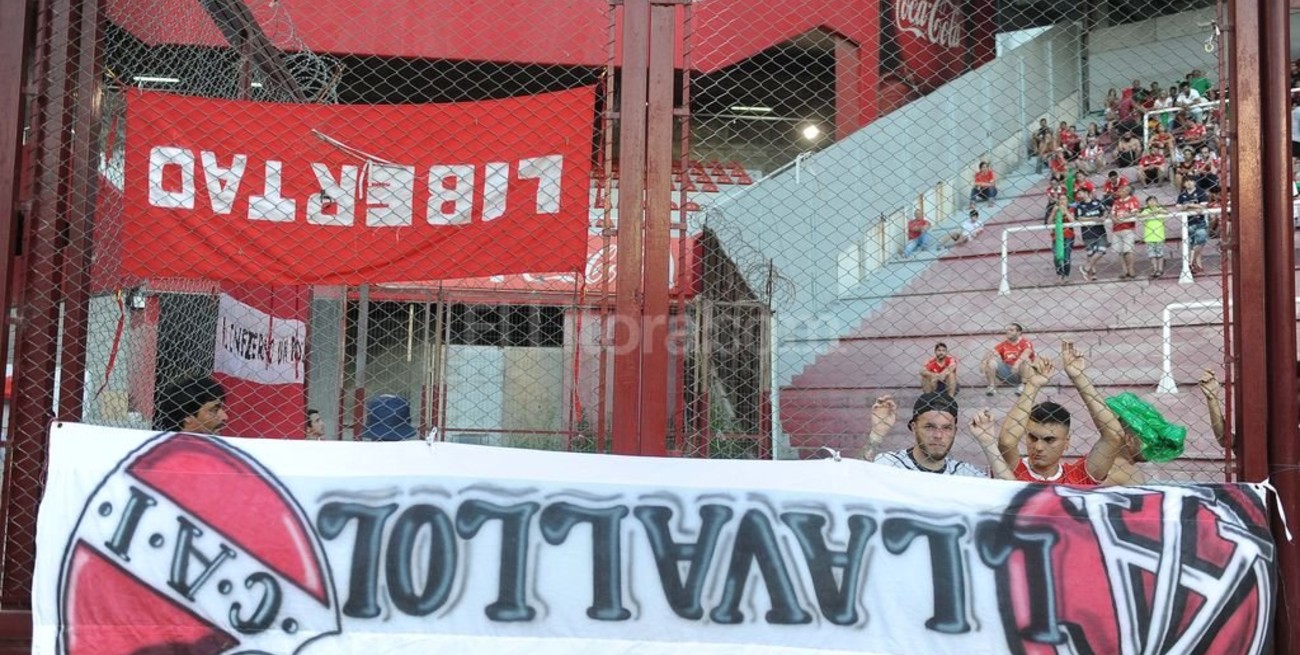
pixel 1020 388
pixel 990 391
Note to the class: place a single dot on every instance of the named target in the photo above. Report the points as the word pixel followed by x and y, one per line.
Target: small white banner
pixel 153 543
pixel 255 346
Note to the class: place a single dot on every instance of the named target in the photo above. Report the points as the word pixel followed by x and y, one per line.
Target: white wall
pixel 834 202
pixel 1158 50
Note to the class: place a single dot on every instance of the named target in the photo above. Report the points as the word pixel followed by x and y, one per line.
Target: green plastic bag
pixel 1161 440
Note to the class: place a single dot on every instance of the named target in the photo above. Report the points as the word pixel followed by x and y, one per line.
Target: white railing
pixel 1167 383
pixel 1146 128
pixel 1184 275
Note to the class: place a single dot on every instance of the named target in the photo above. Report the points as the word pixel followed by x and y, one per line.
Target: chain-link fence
pixel 408 228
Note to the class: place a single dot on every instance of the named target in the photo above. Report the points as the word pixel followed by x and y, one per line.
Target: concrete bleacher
pixel 891 322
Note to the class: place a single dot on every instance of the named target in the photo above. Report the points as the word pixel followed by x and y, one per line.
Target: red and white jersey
pixel 1012 352
pixel 1194 132
pixel 934 366
pixel 1093 151
pixel 985 177
pixel 1111 186
pixel 1073 473
pixel 1125 208
pixel 1152 160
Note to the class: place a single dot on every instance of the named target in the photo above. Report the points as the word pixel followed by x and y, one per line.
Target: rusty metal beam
pixel 1280 309
pixel 628 339
pixel 17 38
pixel 1247 234
pixel 659 188
pixel 36 351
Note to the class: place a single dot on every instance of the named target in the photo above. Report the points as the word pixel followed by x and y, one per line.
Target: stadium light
pixel 155 78
pixel 751 109
pixel 811 132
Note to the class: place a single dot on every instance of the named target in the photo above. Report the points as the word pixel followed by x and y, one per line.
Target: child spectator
pixel 1151 168
pixel 970 228
pixel 1124 226
pixel 1153 235
pixel 939 373
pixel 1198 229
pixel 986 184
pixel 1094 236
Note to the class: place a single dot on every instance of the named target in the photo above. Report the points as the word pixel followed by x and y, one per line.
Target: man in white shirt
pixel 1187 96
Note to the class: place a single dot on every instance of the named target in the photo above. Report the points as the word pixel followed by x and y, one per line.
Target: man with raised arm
pixel 934 426
pixel 1045 429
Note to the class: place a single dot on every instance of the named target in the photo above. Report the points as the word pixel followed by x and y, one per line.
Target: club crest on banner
pixel 193 531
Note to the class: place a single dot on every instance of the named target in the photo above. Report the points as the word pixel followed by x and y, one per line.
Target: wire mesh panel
pixel 381 220
pixel 915 191
pixel 348 220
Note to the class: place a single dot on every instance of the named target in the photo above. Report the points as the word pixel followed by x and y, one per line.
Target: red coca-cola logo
pixel 936 21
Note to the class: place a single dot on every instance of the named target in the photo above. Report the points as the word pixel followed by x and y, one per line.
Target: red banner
pixel 288 194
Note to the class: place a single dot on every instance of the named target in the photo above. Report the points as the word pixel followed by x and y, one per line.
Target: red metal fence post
pixel 1280 309
pixel 16 38
pixel 628 340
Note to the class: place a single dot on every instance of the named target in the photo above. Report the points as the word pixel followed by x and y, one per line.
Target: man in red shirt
pixel 986 184
pixel 1009 360
pixel 1045 430
pixel 918 235
pixel 1124 227
pixel 1151 168
pixel 1110 188
pixel 939 373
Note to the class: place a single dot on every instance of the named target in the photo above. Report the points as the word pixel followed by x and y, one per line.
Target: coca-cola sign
pixel 936 21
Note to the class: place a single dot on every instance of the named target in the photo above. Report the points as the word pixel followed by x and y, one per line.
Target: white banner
pixel 255 346
pixel 177 543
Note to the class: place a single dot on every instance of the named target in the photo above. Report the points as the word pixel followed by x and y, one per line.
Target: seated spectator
pixel 1199 82
pixel 1195 134
pixel 1044 143
pixel 1152 169
pixel 1093 157
pixel 1069 140
pixel 939 373
pixel 1094 236
pixel 918 235
pixel 1044 429
pixel 1009 360
pixel 1163 101
pixel 1110 188
pixel 1162 140
pixel 1153 234
pixel 1184 160
pixel 1112 97
pixel 1124 228
pixel 1058 167
pixel 986 184
pixel 1128 150
pixel 970 228
pixel 1192 198
pixel 1188 98
pixel 1205 168
pixel 1093 132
